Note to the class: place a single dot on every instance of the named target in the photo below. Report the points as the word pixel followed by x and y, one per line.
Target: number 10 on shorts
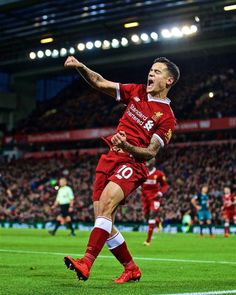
pixel 124 172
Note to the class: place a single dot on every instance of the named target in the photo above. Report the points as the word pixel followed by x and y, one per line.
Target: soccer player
pixel 146 126
pixel 152 191
pixel 65 199
pixel 229 209
pixel 201 203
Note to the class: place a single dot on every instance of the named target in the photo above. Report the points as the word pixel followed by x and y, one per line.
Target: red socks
pixel 97 239
pixel 116 244
pixel 151 227
pixel 118 248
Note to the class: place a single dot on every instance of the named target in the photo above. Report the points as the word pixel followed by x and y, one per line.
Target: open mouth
pixel 150 82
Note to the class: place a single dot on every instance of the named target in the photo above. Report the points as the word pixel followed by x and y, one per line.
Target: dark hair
pixel 173 69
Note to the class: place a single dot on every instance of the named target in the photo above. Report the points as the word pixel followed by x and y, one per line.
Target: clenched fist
pixel 119 139
pixel 72 62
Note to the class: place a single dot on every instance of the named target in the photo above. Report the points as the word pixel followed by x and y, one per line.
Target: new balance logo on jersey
pixel 149 125
pixel 136 98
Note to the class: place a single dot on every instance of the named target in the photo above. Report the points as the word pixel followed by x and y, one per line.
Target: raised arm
pixel 140 153
pixel 92 78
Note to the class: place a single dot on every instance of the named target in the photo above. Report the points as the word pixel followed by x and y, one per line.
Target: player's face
pixel 62 182
pixel 204 189
pixel 159 79
pixel 227 191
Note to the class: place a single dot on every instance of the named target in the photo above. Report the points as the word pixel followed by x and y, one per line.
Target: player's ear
pixel 170 81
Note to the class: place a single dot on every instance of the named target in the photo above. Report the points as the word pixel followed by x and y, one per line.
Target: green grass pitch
pixel 32 263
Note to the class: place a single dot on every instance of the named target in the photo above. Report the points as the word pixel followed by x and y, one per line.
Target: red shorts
pixel 120 168
pixel 150 204
pixel 230 214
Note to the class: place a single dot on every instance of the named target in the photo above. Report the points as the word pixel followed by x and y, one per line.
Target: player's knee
pixel 68 219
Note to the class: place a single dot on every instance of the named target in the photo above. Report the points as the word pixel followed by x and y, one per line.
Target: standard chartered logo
pixel 139 117
pixel 149 125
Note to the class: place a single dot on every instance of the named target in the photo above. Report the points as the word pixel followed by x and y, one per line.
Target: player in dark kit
pixel 146 126
pixel 201 203
pixel 229 209
pixel 152 192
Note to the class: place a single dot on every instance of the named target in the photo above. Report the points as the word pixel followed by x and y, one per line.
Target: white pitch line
pixel 111 257
pixel 204 293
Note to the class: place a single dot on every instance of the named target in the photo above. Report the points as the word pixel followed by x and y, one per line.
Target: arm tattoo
pixel 144 153
pixel 97 81
pixel 91 77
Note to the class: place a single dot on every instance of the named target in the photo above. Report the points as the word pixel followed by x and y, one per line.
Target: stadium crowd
pixel 33 183
pixel 76 103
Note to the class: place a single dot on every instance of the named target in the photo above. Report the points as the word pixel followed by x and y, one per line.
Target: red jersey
pixel 227 200
pixel 144 116
pixel 156 182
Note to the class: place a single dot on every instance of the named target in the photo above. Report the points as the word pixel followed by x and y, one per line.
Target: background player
pixel 152 191
pixel 65 199
pixel 229 209
pixel 146 125
pixel 201 203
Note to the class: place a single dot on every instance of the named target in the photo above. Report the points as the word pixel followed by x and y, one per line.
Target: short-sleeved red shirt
pixel 144 116
pixel 228 200
pixel 156 182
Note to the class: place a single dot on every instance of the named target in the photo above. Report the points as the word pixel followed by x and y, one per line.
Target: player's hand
pixel 119 139
pixel 70 209
pixel 72 62
pixel 159 194
pixel 198 207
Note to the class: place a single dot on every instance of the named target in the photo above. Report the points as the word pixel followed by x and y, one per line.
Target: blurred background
pixel 51 121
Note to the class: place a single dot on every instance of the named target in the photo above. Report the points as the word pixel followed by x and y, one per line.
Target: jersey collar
pixel 152 171
pixel 165 100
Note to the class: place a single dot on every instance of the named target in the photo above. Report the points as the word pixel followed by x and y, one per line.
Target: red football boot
pixel 129 275
pixel 79 266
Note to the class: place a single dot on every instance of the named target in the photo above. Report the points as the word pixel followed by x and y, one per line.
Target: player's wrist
pixel 127 146
pixel 80 67
pixel 160 194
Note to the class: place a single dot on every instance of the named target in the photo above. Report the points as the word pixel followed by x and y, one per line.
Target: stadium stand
pixel 75 103
pixel 33 184
pixel 186 165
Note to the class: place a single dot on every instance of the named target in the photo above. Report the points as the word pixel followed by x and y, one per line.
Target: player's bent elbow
pixel 149 156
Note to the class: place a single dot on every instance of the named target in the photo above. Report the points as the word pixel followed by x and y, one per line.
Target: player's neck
pixel 159 94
